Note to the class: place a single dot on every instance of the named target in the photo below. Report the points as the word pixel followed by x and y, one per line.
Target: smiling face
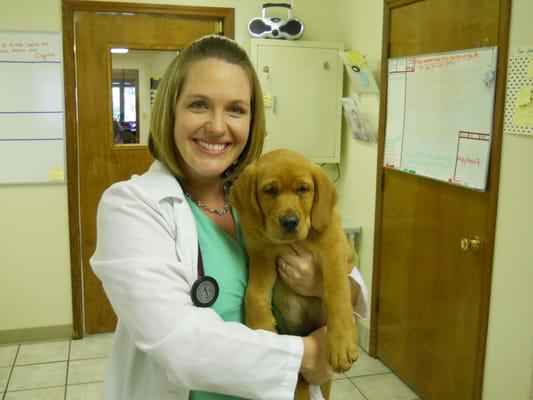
pixel 213 118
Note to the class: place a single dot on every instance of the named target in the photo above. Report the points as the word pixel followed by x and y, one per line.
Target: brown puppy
pixel 283 198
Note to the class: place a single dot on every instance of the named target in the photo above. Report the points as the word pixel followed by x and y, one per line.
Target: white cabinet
pixel 302 87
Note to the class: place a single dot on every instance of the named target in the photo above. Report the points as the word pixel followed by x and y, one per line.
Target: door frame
pixel 69 8
pixel 492 185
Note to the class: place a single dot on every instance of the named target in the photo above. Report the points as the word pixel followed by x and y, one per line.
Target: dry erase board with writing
pixel 32 146
pixel 439 115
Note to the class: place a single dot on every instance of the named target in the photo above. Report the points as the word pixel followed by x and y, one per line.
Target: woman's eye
pixel 236 110
pixel 270 190
pixel 198 105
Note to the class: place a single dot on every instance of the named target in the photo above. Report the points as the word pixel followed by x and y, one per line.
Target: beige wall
pixel 360 25
pixel 509 360
pixel 34 255
pixel 34 243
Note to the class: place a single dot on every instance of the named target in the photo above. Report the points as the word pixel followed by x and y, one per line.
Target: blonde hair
pixel 161 141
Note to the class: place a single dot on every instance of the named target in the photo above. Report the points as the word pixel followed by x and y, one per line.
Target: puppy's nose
pixel 289 222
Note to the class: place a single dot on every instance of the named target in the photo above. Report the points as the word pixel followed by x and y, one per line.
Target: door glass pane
pixel 135 75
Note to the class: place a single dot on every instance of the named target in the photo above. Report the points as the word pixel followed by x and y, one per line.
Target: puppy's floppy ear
pixel 323 201
pixel 243 197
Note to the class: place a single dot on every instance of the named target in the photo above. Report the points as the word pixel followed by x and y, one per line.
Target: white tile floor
pixel 74 370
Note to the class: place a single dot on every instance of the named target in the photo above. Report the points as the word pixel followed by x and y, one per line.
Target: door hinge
pixel 219 27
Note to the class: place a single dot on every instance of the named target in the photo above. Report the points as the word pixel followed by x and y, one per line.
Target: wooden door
pixel 100 161
pixel 431 298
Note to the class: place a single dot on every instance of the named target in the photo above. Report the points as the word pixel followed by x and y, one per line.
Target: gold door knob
pixel 471 244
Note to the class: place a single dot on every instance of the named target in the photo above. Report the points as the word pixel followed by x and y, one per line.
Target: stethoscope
pixel 204 290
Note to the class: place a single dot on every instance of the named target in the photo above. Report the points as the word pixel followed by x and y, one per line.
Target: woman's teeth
pixel 211 146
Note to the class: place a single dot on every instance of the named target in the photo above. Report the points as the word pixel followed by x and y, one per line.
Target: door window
pixel 135 76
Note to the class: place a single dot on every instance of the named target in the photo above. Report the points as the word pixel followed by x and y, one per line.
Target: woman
pixel 207 124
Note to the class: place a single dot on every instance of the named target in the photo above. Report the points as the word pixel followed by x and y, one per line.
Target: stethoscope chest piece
pixel 204 291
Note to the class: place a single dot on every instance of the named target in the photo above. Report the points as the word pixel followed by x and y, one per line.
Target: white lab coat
pixel 146 258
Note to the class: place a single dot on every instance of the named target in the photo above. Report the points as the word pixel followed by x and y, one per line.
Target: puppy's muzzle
pixel 289 222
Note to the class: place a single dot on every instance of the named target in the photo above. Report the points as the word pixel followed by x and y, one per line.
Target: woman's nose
pixel 217 123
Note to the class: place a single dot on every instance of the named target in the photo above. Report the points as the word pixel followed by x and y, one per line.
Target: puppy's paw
pixel 342 350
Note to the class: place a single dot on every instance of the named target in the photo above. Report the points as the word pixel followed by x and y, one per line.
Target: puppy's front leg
pixel 341 334
pixel 261 278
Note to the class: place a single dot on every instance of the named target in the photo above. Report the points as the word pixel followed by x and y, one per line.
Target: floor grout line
pixel 68 364
pixel 374 374
pixel 357 388
pixel 11 372
pixel 34 388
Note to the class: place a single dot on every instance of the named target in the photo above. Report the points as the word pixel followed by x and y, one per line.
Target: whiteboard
pixel 32 145
pixel 439 115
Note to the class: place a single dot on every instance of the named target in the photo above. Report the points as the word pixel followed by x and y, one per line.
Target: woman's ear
pixel 325 198
pixel 243 197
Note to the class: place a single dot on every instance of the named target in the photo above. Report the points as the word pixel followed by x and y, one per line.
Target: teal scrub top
pixel 225 259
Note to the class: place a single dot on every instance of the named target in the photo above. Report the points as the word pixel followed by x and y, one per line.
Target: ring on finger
pixel 283 267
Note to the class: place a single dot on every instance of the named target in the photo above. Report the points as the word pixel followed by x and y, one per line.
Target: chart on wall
pixel 439 115
pixel 32 148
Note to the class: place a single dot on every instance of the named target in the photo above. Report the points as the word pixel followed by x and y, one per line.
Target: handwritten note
pixel 524 106
pixel 523 96
pixel 28 47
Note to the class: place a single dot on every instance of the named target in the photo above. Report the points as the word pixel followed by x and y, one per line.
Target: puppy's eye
pixel 303 190
pixel 270 190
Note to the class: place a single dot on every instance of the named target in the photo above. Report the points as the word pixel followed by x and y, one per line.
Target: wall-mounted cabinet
pixel 302 86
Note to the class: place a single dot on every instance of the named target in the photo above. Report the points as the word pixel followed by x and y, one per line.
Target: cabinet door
pixel 305 84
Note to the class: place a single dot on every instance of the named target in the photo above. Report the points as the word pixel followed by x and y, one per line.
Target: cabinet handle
pixel 266 70
pixel 326 65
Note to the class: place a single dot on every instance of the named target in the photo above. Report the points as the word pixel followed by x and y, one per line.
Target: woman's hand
pixel 315 367
pixel 300 273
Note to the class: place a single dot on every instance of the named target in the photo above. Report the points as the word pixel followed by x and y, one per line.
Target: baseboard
pixel 364 336
pixel 33 334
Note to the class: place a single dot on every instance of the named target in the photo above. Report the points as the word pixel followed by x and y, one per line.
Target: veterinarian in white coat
pixel 165 347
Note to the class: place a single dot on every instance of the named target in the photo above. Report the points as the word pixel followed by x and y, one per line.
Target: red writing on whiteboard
pixel 443 60
pixel 468 160
pixel 39 50
pixel 45 56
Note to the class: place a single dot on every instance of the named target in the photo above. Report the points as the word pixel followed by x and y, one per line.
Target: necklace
pixel 207 208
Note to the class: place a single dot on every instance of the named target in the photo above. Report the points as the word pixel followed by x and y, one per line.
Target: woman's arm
pixel 315 366
pixel 148 286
